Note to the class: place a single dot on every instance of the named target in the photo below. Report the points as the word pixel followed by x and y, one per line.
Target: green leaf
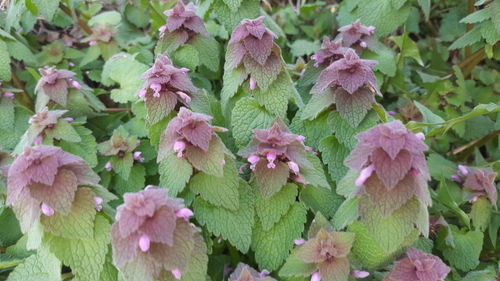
pixel 467 39
pixel 197 268
pixel 79 223
pixel 312 130
pixel 346 213
pixel 208 51
pixel 7 114
pixel 19 51
pixel 63 130
pixel 219 191
pixel 477 16
pixel 269 211
pixel 303 47
pixel 248 115
pixel 134 183
pixel 234 226
pixel 232 79
pixel 93 53
pixel 273 246
pixel 86 257
pixel 321 200
pixel 10 231
pixel 481 275
pixel 465 255
pixel 385 56
pixel 43 266
pixel 495 11
pixel 233 4
pixel 369 252
pixel 333 154
pixel 104 18
pixel 47 8
pixel 481 213
pixel 275 98
pixel 294 266
pixel 344 133
pixel 314 175
pixel 86 148
pixel 123 165
pixel 383 14
pixel 186 56
pixel 248 9
pixel 174 173
pixel 126 71
pixel 425 5
pixel 5 72
pixel 407 47
pixel 317 104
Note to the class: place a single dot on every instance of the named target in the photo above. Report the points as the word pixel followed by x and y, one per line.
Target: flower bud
pixel 253 85
pixel 176 273
pixel 98 203
pixel 364 175
pixel 363 44
pixel 47 210
pixel 316 276
pixel 183 96
pixel 108 166
pixel 264 273
pixel 9 95
pixel 137 156
pixel 420 136
pixel 179 147
pixel 253 159
pixel 301 138
pixel 144 243
pixel 299 241
pixel 142 94
pixel 463 170
pixel 360 274
pixel 293 167
pixel 75 84
pixel 184 213
pixel 162 28
pixel 456 178
pixel 38 140
pixel 93 43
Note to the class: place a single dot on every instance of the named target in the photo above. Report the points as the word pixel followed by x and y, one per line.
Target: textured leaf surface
pixel 218 191
pixel 465 255
pixel 85 256
pixel 275 98
pixel 174 173
pixel 186 56
pixel 123 165
pixel 312 130
pixel 79 223
pixel 272 209
pixel 249 9
pixel 42 266
pixel 333 154
pixel 86 148
pixel 273 246
pixel 208 51
pixel 344 133
pixel 321 200
pixel 248 115
pixel 235 226
pixel 314 175
pixel 5 72
pixel 126 71
pixel 135 182
pixel 294 266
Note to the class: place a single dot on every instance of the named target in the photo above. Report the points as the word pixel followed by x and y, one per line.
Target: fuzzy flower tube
pixel 152 235
pixel 418 266
pixel 276 155
pixel 43 181
pixel 190 136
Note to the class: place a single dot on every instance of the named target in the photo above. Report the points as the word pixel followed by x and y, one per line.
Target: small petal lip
pixel 47 210
pixel 316 276
pixel 364 175
pixel 144 243
pixel 177 273
pixel 360 274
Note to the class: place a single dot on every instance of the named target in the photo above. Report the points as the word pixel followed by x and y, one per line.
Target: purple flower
pixel 275 152
pixel 392 166
pixel 356 35
pixel 328 251
pixel 189 134
pixel 350 73
pixel 244 272
pixel 149 235
pixel 55 83
pixel 165 86
pixel 329 52
pixel 183 23
pixel 251 47
pixel 481 182
pixel 44 179
pixel 419 266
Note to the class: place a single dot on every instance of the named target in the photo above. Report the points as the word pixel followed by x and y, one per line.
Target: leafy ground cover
pixel 249 140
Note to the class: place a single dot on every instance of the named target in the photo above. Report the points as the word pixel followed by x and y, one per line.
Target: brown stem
pixel 24 94
pixel 476 143
pixel 81 23
pixel 116 109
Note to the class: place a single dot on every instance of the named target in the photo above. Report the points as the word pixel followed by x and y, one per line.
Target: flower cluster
pixel 166 85
pixel 244 272
pixel 55 84
pixel 119 146
pixel 42 121
pixel 392 166
pixel 418 266
pixel 183 23
pixel 189 135
pixel 276 152
pixel 251 45
pixel 328 252
pixel 357 36
pixel 44 179
pixel 478 182
pixel 152 232
pixel 329 52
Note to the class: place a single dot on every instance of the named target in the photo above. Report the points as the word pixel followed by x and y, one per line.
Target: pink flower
pixel 9 95
pixel 108 166
pixel 418 266
pixel 481 182
pixel 244 272
pixel 45 179
pixel 184 213
pixel 392 162
pixel 463 170
pixel 356 34
pixel 252 84
pixel 187 131
pixel 98 203
pixel 329 52
pixel 316 276
pixel 75 84
pixel 293 167
pixel 55 83
pixel 177 273
pixel 360 274
pixel 148 234
pixel 137 156
pixel 299 241
pixel 183 23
